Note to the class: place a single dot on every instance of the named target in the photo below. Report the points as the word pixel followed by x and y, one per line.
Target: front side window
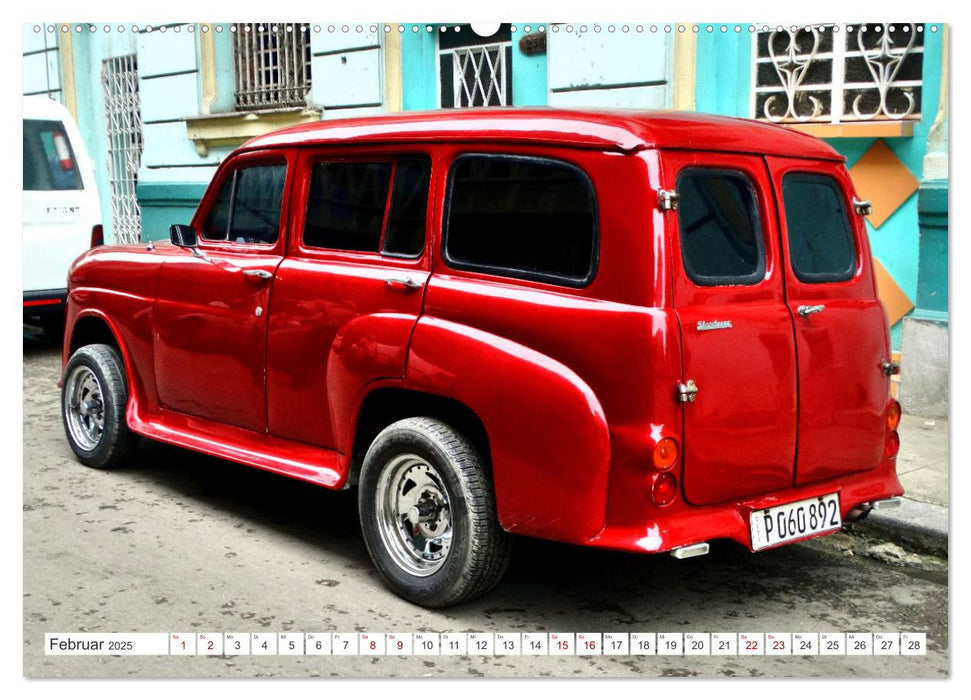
pixel 247 209
pixel 821 247
pixel 369 207
pixel 721 236
pixel 531 218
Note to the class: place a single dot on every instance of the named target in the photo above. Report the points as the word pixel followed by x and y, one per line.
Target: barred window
pixel 272 65
pixel 475 71
pixel 839 73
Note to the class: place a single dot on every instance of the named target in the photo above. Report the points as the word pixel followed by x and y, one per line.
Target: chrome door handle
pixel 262 274
pixel 405 282
pixel 810 310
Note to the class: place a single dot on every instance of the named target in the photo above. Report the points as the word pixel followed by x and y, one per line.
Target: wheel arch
pixel 385 405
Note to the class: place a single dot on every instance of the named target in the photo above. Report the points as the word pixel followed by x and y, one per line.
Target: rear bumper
pixel 682 525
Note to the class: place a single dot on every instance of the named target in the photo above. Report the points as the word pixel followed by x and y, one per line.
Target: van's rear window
pixel 531 218
pixel 49 162
pixel 821 246
pixel 721 237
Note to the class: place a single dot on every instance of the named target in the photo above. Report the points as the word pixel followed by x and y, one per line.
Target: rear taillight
pixel 893 420
pixel 893 444
pixel 665 489
pixel 893 415
pixel 97 235
pixel 665 454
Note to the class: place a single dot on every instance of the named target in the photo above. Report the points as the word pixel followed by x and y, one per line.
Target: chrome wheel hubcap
pixel 84 408
pixel 414 517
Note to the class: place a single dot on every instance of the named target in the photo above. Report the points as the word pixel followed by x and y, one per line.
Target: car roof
pixel 40 107
pixel 613 130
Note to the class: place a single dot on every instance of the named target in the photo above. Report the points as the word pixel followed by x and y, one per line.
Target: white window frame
pixel 883 78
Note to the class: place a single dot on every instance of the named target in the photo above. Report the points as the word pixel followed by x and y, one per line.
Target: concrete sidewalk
pixel 921 521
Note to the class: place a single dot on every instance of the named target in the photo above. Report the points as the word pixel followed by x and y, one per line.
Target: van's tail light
pixel 665 453
pixel 665 489
pixel 97 235
pixel 893 415
pixel 893 444
pixel 893 420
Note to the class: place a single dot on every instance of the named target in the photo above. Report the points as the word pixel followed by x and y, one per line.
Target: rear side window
pixel 821 246
pixel 356 205
pixel 530 218
pixel 721 236
pixel 49 162
pixel 247 209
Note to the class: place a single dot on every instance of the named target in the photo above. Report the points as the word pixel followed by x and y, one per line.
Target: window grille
pixel 119 80
pixel 272 65
pixel 475 71
pixel 827 74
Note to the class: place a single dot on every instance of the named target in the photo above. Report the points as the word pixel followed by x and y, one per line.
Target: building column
pixel 924 346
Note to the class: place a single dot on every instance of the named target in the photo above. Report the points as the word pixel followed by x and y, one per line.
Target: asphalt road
pixel 178 542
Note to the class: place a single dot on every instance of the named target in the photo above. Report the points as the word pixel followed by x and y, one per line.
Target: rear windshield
pixel 821 247
pixel 49 162
pixel 721 236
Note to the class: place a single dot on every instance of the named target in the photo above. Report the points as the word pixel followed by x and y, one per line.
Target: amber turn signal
pixel 665 489
pixel 893 444
pixel 893 415
pixel 665 454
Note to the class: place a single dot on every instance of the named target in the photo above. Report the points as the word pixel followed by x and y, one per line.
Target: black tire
pixel 424 459
pixel 94 397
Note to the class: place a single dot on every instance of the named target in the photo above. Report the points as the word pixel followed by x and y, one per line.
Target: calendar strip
pixel 488 644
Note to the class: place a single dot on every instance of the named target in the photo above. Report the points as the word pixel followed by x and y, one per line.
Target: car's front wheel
pixel 428 514
pixel 93 401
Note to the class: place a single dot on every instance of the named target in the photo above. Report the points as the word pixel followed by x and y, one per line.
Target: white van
pixel 61 209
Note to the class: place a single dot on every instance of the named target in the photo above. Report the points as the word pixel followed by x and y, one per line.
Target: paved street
pixel 178 542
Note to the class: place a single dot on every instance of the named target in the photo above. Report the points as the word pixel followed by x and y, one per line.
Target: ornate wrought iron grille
pixel 119 80
pixel 832 74
pixel 272 65
pixel 475 71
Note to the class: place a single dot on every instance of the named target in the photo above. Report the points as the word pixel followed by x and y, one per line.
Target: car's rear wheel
pixel 428 514
pixel 93 401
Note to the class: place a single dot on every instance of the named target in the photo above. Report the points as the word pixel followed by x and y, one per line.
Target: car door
pixel 349 292
pixel 210 314
pixel 841 331
pixel 738 351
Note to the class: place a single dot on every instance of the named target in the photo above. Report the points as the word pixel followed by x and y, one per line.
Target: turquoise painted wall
pixel 529 81
pixel 418 70
pixel 724 73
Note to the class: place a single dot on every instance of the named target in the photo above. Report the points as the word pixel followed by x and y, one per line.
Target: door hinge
pixel 687 391
pixel 667 200
pixel 863 206
pixel 890 367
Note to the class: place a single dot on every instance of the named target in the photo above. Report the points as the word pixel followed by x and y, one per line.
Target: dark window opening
pixel 530 218
pixel 409 203
pixel 721 237
pixel 345 209
pixel 247 209
pixel 821 246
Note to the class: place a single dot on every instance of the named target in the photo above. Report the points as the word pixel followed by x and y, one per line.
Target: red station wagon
pixel 633 331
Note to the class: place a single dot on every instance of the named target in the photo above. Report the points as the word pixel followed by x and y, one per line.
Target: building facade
pixel 159 107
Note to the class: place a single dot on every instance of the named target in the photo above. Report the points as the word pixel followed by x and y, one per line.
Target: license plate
pixel 795 521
